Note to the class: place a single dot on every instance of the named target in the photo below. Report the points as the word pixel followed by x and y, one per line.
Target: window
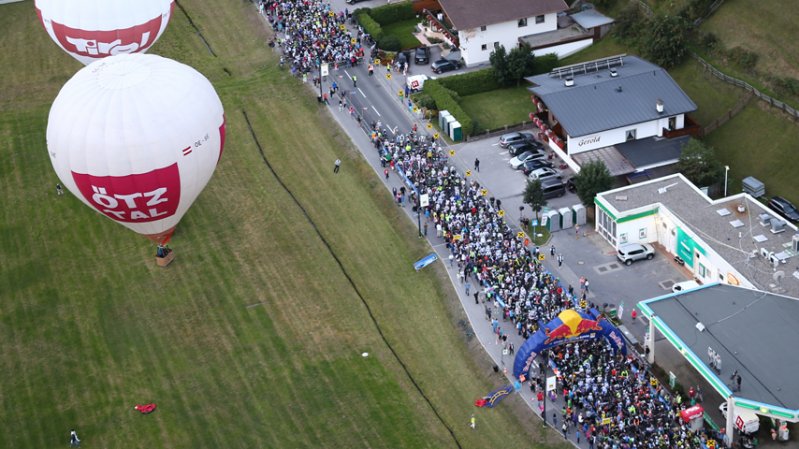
pixel 496 45
pixel 630 135
pixel 484 47
pixel 623 238
pixel 703 271
pixel 539 19
pixel 642 233
pixel 523 22
pixel 483 28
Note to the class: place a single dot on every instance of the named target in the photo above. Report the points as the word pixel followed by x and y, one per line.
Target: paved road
pixel 585 255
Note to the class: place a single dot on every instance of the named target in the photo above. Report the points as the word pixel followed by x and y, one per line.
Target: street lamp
pixel 726 170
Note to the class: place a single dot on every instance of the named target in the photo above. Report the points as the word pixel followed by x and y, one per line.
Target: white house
pixel 483 25
pixel 734 240
pixel 590 110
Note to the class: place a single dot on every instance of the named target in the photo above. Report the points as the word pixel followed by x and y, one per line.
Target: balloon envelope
pixel 137 137
pixel 92 29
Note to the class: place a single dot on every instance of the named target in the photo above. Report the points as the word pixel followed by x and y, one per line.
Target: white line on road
pixel 364 95
pixel 504 152
pixel 348 75
pixel 375 109
pixel 394 131
pixel 495 144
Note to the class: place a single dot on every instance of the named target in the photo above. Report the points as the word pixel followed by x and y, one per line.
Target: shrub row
pixel 444 101
pixel 472 82
pixel 392 12
pixel 369 24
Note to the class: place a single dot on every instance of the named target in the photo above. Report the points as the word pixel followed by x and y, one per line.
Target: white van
pixel 416 82
pixel 683 286
pixel 745 420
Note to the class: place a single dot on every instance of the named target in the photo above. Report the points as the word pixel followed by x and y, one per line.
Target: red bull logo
pixel 565 331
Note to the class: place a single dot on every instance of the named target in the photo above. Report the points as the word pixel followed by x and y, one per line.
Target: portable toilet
pixel 442 120
pixel 450 120
pixel 579 214
pixel 566 218
pixel 553 220
pixel 456 131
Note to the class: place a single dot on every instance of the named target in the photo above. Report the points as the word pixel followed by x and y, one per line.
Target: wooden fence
pixel 781 105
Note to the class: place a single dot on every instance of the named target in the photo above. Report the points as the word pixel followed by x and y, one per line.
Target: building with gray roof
pixel 722 330
pixel 606 102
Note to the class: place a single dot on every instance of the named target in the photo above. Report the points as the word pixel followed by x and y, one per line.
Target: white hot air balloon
pixel 92 29
pixel 137 137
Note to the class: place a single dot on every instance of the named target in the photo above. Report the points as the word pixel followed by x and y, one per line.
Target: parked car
pixel 520 147
pixel 631 252
pixel 352 2
pixel 444 65
pixel 517 162
pixel 553 188
pixel 421 55
pixel 544 173
pixel 535 164
pixel 570 185
pixel 515 137
pixel 784 208
pixel 683 286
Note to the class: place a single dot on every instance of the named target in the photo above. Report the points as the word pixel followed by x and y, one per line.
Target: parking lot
pixel 586 254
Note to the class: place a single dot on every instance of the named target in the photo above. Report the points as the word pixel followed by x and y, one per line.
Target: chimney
pixel 613 73
pixel 659 106
pixel 569 82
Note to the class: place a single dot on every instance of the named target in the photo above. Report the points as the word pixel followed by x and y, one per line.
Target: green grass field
pixel 253 336
pixel 497 108
pixel 404 30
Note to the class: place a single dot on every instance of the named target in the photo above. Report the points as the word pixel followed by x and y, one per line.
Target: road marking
pixel 495 144
pixel 348 75
pixel 378 112
pixel 505 152
pixel 364 95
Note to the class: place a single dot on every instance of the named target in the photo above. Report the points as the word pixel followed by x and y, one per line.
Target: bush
pixel 696 9
pixel 472 82
pixel 743 58
pixel 665 43
pixel 393 12
pixel 369 25
pixel 787 85
pixel 423 100
pixel 444 101
pixel 545 63
pixel 709 42
pixel 390 43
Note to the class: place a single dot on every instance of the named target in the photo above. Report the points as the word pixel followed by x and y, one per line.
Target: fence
pixel 792 112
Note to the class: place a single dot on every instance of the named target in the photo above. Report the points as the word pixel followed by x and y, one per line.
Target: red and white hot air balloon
pixel 92 29
pixel 137 137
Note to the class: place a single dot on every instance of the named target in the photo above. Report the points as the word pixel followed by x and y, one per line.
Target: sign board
pixel 424 200
pixel 606 421
pixel 534 222
pixel 672 379
pixel 325 69
pixel 468 173
pixel 551 383
pixel 425 261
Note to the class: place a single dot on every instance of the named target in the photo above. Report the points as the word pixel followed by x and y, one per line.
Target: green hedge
pixel 393 12
pixel 369 24
pixel 472 82
pixel 444 101
pixel 545 63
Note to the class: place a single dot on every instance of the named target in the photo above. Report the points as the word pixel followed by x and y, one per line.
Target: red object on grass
pixel 146 409
pixel 480 402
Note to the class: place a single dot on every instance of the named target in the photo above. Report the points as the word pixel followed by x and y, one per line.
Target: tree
pixel 698 163
pixel 499 61
pixel 666 42
pixel 629 22
pixel 593 178
pixel 521 63
pixel 534 196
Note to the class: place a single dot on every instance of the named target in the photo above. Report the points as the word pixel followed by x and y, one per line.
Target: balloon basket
pixel 166 260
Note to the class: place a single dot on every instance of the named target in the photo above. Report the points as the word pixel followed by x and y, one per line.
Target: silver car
pixel 631 252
